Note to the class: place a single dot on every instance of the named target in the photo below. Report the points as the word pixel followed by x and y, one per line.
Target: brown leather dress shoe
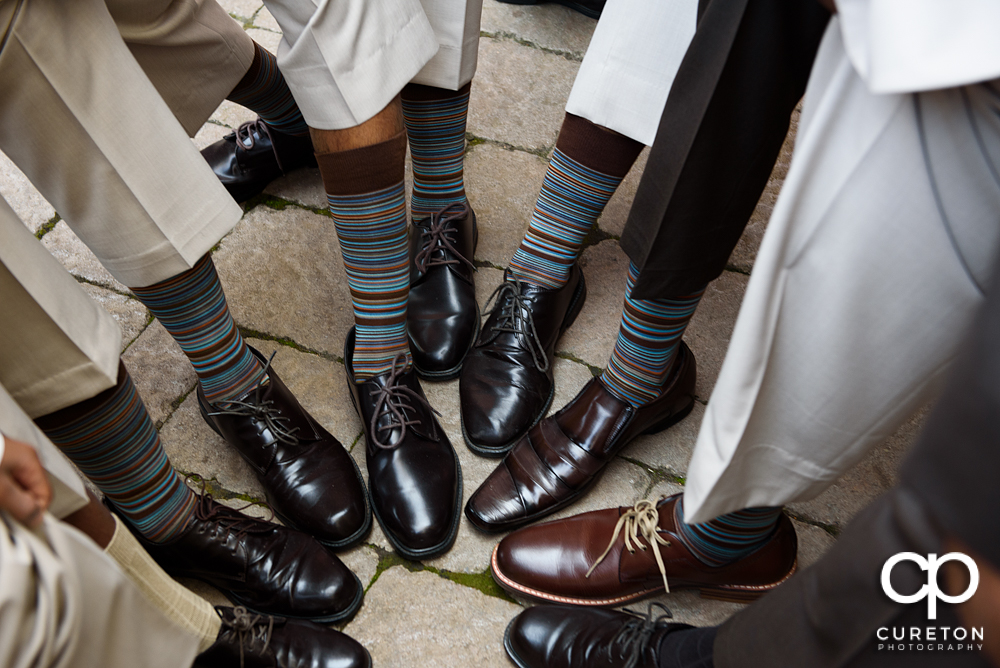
pixel 263 566
pixel 311 481
pixel 562 456
pixel 248 640
pixel 562 561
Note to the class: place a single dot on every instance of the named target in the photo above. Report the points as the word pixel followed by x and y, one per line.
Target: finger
pixel 26 469
pixel 22 506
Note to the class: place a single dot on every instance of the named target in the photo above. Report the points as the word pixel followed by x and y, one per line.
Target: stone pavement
pixel 287 289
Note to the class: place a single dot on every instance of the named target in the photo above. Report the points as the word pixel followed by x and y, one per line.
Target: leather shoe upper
pixel 442 317
pixel 551 561
pixel 247 160
pixel 507 382
pixel 263 566
pixel 312 483
pixel 413 471
pixel 249 640
pixel 558 460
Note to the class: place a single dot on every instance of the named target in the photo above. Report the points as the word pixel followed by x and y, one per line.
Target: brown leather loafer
pixel 248 640
pixel 562 456
pixel 561 561
pixel 263 566
pixel 311 481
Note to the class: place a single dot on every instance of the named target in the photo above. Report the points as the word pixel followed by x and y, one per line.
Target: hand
pixel 24 490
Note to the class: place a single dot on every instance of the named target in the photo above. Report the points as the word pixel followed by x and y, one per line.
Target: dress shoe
pixel 413 472
pixel 559 636
pixel 562 456
pixel 591 8
pixel 248 640
pixel 562 561
pixel 263 566
pixel 247 160
pixel 442 316
pixel 311 482
pixel 507 383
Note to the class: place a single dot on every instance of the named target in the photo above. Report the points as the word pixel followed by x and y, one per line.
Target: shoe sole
pixel 730 593
pixel 343 544
pixel 455 371
pixel 656 428
pixel 586 11
pixel 498 451
pixel 510 648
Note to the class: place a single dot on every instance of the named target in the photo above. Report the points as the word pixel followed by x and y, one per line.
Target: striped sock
pixel 368 203
pixel 650 332
pixel 588 164
pixel 192 307
pixel 112 440
pixel 264 91
pixel 728 537
pixel 435 126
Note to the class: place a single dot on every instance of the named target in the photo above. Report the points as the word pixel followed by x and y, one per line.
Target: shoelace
pixel 261 410
pixel 206 509
pixel 244 135
pixel 249 628
pixel 642 519
pixel 635 634
pixel 438 234
pixel 391 399
pixel 516 317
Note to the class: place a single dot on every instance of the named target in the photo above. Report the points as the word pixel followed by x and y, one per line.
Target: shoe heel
pixel 670 420
pixel 731 595
pixel 207 419
pixel 575 306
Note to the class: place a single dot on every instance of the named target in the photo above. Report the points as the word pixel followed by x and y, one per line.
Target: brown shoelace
pixel 635 635
pixel 246 139
pixel 249 627
pixel 642 519
pixel 391 399
pixel 516 318
pixel 438 235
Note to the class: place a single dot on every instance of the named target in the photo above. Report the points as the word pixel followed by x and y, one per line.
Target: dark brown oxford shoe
pixel 442 316
pixel 413 472
pixel 263 566
pixel 559 636
pixel 611 557
pixel 562 456
pixel 311 481
pixel 507 384
pixel 249 640
pixel 247 160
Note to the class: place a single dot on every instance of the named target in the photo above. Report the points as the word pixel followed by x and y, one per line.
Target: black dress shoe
pixel 311 482
pixel 413 472
pixel 442 316
pixel 247 160
pixel 507 382
pixel 248 640
pixel 591 8
pixel 560 636
pixel 264 566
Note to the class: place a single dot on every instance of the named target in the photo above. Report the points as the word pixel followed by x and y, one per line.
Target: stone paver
pixel 129 313
pixel 22 197
pixel 548 26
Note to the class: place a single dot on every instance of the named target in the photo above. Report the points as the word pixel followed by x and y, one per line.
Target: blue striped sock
pixel 263 90
pixel 650 332
pixel 728 537
pixel 192 307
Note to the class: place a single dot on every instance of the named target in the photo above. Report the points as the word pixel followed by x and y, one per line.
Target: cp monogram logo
pixel 930 590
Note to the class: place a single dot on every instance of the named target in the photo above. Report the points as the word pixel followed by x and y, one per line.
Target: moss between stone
pixel 215 488
pixel 832 529
pixel 595 371
pixel 656 475
pixel 481 582
pixel 48 226
pixel 246 332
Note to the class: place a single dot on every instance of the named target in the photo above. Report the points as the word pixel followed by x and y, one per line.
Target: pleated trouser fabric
pixel 871 268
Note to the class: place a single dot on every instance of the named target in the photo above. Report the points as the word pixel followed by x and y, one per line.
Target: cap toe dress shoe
pixel 442 316
pixel 507 383
pixel 562 456
pixel 590 559
pixel 559 636
pixel 249 640
pixel 311 481
pixel 414 475
pixel 263 566
pixel 247 160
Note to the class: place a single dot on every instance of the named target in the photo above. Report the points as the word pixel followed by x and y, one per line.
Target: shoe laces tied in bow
pixel 391 398
pixel 438 235
pixel 265 411
pixel 206 509
pixel 639 523
pixel 635 634
pixel 251 629
pixel 245 137
pixel 516 318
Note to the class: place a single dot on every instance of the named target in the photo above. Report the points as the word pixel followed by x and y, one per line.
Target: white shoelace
pixel 640 522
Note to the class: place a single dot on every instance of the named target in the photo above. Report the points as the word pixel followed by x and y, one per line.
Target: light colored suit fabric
pixel 83 121
pixel 866 280
pixel 631 63
pixel 345 60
